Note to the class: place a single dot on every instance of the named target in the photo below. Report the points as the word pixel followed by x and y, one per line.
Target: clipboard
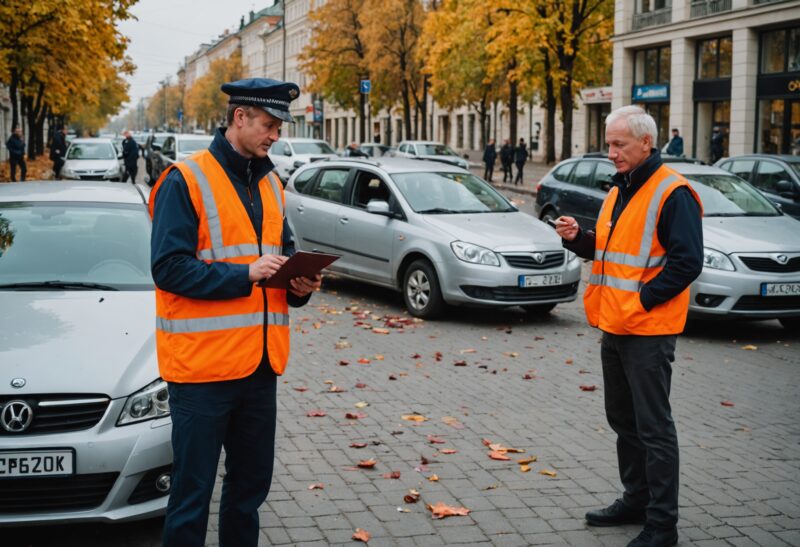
pixel 300 264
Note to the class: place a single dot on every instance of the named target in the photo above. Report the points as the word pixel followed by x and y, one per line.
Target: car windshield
pixel 193 145
pixel 312 148
pixel 448 193
pixel 158 140
pixel 91 151
pixel 74 245
pixel 730 196
pixel 435 150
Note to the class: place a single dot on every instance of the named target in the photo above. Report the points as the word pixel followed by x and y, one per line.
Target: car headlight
pixel 474 254
pixel 152 401
pixel 571 256
pixel 717 260
pixel 113 170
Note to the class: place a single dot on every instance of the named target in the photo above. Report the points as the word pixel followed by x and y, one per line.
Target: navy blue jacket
pixel 489 154
pixel 130 151
pixel 679 230
pixel 16 146
pixel 174 263
pixel 675 146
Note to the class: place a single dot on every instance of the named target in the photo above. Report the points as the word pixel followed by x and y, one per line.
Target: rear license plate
pixel 37 463
pixel 526 281
pixel 780 289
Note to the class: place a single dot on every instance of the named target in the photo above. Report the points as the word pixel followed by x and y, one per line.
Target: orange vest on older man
pixel 213 340
pixel 627 255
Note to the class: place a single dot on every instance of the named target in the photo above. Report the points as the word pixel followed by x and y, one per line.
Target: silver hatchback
pixel 84 417
pixel 433 231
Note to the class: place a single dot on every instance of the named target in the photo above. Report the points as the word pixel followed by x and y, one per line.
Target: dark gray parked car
pixel 778 177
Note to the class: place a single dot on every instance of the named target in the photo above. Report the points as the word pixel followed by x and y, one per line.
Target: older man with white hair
pixel 647 248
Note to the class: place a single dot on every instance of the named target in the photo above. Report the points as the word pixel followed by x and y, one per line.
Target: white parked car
pixel 430 150
pixel 93 159
pixel 289 154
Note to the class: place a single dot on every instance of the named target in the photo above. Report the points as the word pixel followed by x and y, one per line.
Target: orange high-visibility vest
pixel 214 340
pixel 630 256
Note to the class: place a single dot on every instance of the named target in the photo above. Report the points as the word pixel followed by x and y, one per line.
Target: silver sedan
pixel 433 231
pixel 84 417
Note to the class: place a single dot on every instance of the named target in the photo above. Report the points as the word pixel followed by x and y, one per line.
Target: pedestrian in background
pixel 16 155
pixel 647 248
pixel 506 159
pixel 353 151
pixel 717 145
pixel 489 157
pixel 219 229
pixel 675 146
pixel 58 149
pixel 520 157
pixel 130 157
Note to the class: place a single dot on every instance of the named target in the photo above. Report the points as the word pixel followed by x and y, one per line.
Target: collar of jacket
pixel 630 182
pixel 235 164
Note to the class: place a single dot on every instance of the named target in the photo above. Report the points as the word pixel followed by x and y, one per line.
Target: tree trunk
pixel 566 64
pixel 512 111
pixel 33 109
pixel 406 111
pixel 424 108
pixel 40 129
pixel 12 91
pixel 550 111
pixel 362 116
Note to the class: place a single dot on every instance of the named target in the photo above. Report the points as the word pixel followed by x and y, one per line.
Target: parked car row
pixel 752 248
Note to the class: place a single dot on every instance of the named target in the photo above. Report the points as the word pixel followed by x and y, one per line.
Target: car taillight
pixel 538 187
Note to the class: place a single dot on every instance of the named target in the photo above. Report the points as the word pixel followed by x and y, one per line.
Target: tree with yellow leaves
pixel 162 109
pixel 205 102
pixel 335 58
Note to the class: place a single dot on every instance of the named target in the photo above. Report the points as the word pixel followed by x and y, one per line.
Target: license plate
pixel 780 289
pixel 37 463
pixel 526 281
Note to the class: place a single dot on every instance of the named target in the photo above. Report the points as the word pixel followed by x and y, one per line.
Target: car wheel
pixel 791 323
pixel 539 309
pixel 421 291
pixel 549 214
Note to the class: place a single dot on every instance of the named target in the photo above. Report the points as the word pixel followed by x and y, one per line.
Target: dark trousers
pixel 130 171
pixel 507 175
pixel 520 165
pixel 239 415
pixel 57 165
pixel 23 168
pixel 488 171
pixel 637 371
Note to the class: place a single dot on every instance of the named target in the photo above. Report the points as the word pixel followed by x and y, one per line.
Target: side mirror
pixel 785 188
pixel 378 207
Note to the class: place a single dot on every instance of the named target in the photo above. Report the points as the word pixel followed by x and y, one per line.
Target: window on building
pixel 652 66
pixel 646 6
pixel 471 132
pixel 780 51
pixel 460 131
pixel 714 58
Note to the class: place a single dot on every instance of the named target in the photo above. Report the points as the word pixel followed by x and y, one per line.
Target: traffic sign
pixel 366 86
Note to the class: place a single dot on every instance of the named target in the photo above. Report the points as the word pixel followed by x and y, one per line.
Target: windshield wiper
pixel 437 211
pixel 56 285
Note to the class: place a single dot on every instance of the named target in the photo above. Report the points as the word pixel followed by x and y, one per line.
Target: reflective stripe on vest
pixel 206 324
pixel 219 251
pixel 643 259
pixel 615 282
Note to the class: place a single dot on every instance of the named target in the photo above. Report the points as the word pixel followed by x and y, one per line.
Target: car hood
pixel 751 234
pixel 501 232
pixel 94 165
pixel 92 342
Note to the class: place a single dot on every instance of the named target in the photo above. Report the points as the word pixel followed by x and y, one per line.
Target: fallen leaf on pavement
pixel 379 357
pixel 343 344
pixel 414 418
pixel 316 413
pixel 548 472
pixel 344 363
pixel 364 361
pixel 316 486
pixel 434 478
pixel 460 363
pixel 416 356
pixel 336 389
pixel 358 445
pixel 528 377
pixel 588 387
pixel 392 475
pixel 568 362
pixel 411 497
pixel 438 356
pixel 361 385
pixel 355 415
pixel 361 535
pixel 367 464
pixel 497 447
pixel 726 403
pixel 469 350
pixel 497 455
pixel 526 461
pixel 301 389
pixel 511 353
pixel 377 330
pixel 486 442
pixel 403 510
pixel 441 510
pixel 433 439
pixel 392 377
pixel 524 468
pixel 750 347
pixel 362 404
pixel 452 422
pixel 448 451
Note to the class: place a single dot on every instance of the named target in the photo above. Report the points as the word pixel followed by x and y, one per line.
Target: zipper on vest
pixel 264 353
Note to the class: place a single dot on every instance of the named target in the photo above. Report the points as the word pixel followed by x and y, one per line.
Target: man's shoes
pixel 614 515
pixel 655 537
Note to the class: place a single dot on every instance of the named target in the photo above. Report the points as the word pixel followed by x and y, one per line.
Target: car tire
pixel 539 309
pixel 549 214
pixel 421 292
pixel 791 323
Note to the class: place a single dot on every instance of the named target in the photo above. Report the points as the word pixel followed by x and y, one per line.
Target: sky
pixel 168 30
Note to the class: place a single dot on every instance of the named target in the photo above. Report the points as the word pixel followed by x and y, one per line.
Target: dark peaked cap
pixel 272 96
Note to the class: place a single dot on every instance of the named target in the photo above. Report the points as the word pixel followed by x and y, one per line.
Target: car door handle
pixel 344 220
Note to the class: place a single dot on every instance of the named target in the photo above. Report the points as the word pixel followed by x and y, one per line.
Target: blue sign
pixel 366 86
pixel 648 93
pixel 180 115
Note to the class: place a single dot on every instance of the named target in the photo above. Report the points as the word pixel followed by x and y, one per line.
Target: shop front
pixel 778 91
pixel 598 105
pixel 712 98
pixel 651 87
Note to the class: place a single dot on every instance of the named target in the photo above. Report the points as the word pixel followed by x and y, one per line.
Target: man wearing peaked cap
pixel 222 339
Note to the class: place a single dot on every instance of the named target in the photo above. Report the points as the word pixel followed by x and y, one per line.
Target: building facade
pixel 701 65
